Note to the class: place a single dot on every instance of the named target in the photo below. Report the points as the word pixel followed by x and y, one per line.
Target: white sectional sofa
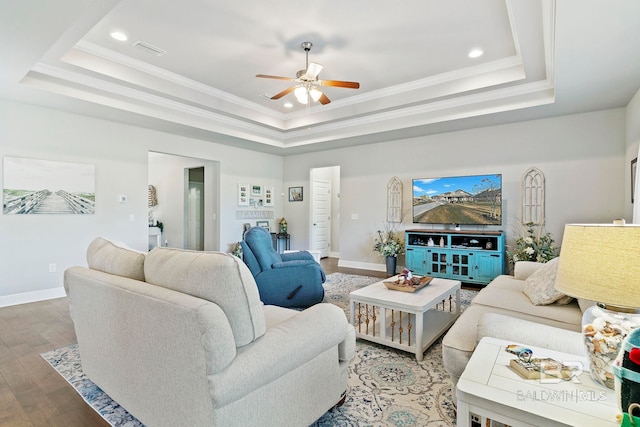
pixel 503 310
pixel 180 338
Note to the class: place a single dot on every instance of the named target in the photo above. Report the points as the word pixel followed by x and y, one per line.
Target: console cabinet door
pixel 416 262
pixel 488 266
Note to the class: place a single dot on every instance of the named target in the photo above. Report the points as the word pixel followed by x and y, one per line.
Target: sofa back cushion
pixel 259 241
pixel 214 276
pixel 115 258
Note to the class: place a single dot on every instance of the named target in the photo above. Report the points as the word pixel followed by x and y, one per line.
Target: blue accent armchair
pixel 287 280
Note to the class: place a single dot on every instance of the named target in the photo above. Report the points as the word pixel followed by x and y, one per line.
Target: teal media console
pixel 468 256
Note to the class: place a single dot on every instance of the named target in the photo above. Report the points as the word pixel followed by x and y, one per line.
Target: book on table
pixel 537 368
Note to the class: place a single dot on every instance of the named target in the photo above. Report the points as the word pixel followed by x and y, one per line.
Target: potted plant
pixel 533 245
pixel 388 246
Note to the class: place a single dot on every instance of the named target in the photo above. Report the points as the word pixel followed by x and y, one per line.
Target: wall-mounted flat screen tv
pixel 467 200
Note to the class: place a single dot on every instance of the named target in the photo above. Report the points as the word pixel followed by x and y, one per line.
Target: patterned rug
pixel 387 387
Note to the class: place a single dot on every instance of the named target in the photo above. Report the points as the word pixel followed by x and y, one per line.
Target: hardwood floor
pixel 31 392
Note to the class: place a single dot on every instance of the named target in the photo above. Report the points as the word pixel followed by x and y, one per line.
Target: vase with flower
pixel 388 245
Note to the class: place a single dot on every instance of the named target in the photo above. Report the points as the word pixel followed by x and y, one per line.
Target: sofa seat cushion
pixel 115 258
pixel 275 315
pixel 505 293
pixel 214 276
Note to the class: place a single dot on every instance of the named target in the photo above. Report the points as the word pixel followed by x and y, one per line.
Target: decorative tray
pixel 404 286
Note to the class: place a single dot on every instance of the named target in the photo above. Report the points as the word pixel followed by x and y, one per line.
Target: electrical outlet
pixel 52 267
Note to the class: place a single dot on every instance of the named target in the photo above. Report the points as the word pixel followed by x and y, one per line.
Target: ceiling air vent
pixel 149 48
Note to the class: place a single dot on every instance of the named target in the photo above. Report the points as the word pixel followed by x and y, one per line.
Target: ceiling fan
pixel 308 82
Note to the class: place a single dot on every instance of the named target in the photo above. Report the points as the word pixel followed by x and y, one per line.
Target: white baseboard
pixel 27 297
pixel 365 265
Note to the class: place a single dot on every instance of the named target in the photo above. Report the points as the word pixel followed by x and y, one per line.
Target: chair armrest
pixel 524 269
pixel 530 333
pixel 283 348
pixel 293 264
pixel 292 256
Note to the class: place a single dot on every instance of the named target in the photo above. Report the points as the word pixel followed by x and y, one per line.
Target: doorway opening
pixel 194 205
pixel 188 200
pixel 324 233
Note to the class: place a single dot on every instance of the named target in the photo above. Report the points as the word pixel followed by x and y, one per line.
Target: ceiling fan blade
pixel 283 93
pixel 266 76
pixel 313 70
pixel 324 100
pixel 338 83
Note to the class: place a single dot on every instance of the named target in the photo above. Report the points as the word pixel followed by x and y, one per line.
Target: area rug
pixel 386 387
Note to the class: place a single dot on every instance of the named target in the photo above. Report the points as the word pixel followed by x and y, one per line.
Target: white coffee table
pixel 490 389
pixel 404 320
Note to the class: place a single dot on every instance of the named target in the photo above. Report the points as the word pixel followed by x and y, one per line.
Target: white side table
pixel 490 389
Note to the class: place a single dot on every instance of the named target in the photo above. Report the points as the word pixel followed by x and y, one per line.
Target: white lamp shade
pixel 601 262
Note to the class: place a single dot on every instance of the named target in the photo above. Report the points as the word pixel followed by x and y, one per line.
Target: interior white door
pixel 321 216
pixel 196 211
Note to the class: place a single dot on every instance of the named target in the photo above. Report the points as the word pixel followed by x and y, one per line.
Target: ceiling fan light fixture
pixel 301 94
pixel 315 94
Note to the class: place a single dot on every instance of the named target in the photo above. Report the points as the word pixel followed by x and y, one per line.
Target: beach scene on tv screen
pixel 469 200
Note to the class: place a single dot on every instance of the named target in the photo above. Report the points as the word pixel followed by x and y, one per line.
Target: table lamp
pixel 601 262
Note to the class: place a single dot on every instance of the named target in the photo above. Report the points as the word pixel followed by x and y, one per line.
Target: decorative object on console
pixel 534 245
pixel 599 262
pixel 283 226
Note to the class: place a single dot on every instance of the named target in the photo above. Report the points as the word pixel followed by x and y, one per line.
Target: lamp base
pixel 604 330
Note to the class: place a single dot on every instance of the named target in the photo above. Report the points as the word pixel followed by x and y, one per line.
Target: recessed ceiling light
pixel 475 53
pixel 119 35
pixel 288 105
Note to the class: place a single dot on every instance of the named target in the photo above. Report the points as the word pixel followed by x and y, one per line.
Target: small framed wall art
pixel 243 194
pixel 263 224
pixel 256 190
pixel 268 197
pixel 295 194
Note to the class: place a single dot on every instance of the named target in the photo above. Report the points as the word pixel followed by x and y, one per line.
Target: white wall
pixel 582 157
pixel 120 153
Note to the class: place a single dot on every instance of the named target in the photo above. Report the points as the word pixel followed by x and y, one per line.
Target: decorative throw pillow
pixel 540 286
